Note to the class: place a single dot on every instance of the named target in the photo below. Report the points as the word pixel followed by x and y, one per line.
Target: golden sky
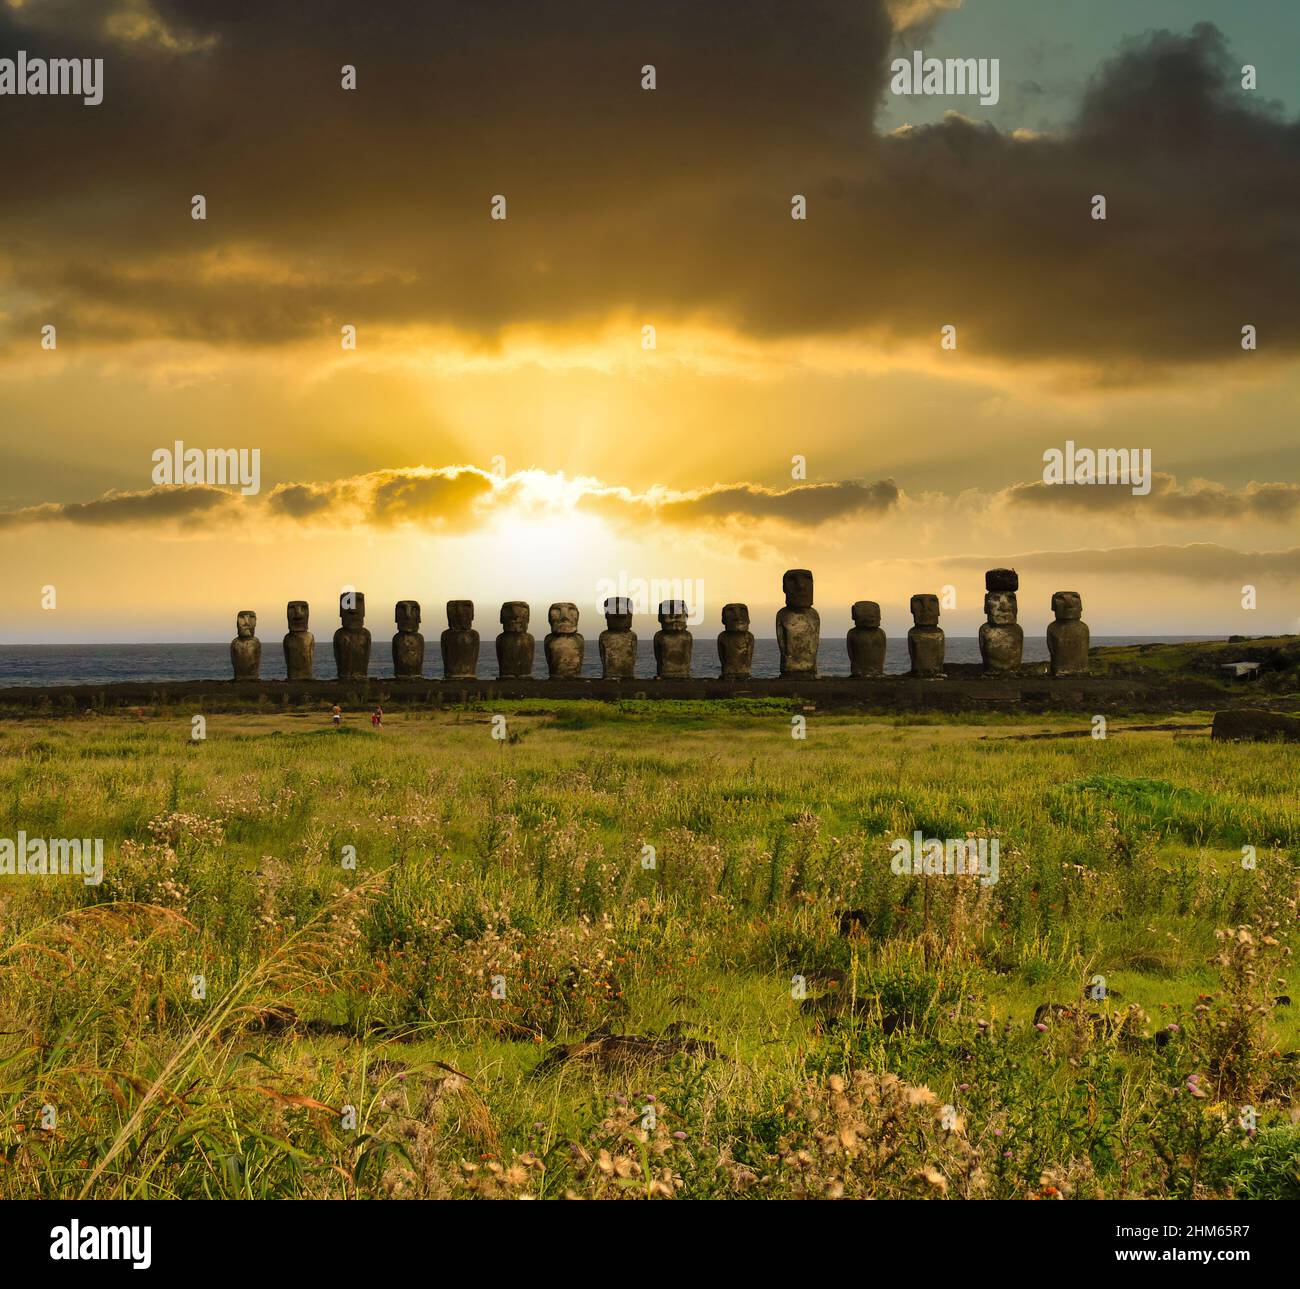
pixel 502 431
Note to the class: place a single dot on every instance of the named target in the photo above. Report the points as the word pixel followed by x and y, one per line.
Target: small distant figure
pixel 377 717
pixel 336 716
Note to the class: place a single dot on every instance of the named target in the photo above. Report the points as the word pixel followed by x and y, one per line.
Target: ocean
pixel 100 664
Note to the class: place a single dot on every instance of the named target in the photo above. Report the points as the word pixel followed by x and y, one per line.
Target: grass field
pixel 237 1011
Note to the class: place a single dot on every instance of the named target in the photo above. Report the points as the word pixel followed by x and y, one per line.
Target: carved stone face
pixel 798 587
pixel 618 613
pixel 245 624
pixel 925 610
pixel 563 618
pixel 1000 608
pixel 1002 579
pixel 1068 606
pixel 672 615
pixel 408 616
pixel 866 613
pixel 514 616
pixel 298 615
pixel 735 617
pixel 352 608
pixel 460 615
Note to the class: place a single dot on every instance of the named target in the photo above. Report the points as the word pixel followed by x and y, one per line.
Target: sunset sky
pixel 500 432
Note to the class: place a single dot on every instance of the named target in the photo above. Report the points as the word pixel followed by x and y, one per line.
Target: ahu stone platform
pixel 966 689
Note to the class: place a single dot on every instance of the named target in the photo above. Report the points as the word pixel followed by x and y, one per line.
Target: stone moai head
pixel 245 624
pixel 408 616
pixel 299 614
pixel 866 613
pixel 1067 606
pixel 460 615
pixel 797 583
pixel 514 616
pixel 618 613
pixel 563 618
pixel 352 608
pixel 672 615
pixel 1000 608
pixel 925 610
pixel 735 617
pixel 1002 579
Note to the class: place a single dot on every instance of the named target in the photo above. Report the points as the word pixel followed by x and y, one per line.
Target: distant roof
pixel 1240 668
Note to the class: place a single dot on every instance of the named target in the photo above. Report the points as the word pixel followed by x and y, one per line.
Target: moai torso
pixel 1002 639
pixel 736 643
pixel 1068 637
pixel 246 648
pixel 515 643
pixel 299 644
pixel 460 642
pixel 408 643
pixel 563 646
pixel 866 641
pixel 618 640
pixel 798 625
pixel 673 642
pixel 352 640
pixel 925 639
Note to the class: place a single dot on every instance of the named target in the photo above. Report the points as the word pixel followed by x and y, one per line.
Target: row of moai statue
pixel 798 635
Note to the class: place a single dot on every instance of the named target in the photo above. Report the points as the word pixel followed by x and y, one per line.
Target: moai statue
pixel 515 643
pixel 1002 639
pixel 673 642
pixel 736 643
pixel 246 648
pixel 1068 637
pixel 866 641
pixel 408 643
pixel 460 642
pixel 798 625
pixel 925 639
pixel 352 640
pixel 563 645
pixel 618 640
pixel 299 644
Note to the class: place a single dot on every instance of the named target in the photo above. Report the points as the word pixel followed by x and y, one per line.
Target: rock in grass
pixel 614 1051
pixel 828 1010
pixel 1253 725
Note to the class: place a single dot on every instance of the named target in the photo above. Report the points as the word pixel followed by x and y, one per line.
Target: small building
pixel 1241 670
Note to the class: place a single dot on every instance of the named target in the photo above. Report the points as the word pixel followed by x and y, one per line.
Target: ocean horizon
pixel 103 664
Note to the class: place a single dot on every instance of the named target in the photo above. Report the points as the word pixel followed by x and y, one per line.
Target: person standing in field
pixel 337 715
pixel 377 717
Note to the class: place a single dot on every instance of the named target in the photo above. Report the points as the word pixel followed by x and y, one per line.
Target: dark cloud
pixel 371 207
pixel 384 497
pixel 1194 562
pixel 427 497
pixel 804 505
pixel 1168 499
pixel 186 507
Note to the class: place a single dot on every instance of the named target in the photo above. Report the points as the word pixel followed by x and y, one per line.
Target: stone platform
pixel 964 690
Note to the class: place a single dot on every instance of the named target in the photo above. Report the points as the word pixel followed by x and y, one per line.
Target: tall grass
pixel 238 1011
